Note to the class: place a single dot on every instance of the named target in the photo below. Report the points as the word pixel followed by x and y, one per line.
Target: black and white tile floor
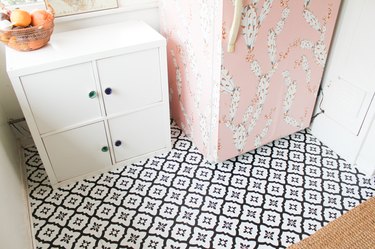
pixel 268 198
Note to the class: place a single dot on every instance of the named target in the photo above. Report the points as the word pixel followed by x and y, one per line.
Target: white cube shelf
pixel 94 98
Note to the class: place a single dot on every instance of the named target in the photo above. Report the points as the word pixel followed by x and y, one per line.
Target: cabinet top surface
pixel 84 42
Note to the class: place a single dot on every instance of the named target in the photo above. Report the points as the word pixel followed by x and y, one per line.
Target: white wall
pixel 145 10
pixel 7 95
pixel 14 228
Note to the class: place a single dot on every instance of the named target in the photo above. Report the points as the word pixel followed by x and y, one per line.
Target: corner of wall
pixel 14 208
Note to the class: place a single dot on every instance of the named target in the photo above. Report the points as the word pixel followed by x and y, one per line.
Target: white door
pixel 348 86
pixel 366 158
pixel 351 88
pixel 61 97
pixel 139 133
pixel 130 81
pixel 79 151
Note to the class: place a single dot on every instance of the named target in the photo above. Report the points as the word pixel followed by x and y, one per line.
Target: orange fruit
pixel 20 18
pixel 20 46
pixel 12 42
pixel 40 17
pixel 23 47
pixel 4 37
pixel 36 44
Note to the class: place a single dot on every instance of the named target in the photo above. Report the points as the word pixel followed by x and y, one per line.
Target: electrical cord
pixel 319 106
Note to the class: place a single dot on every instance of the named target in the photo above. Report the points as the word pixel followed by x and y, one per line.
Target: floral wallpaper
pixel 230 103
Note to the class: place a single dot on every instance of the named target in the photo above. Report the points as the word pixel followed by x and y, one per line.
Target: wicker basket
pixel 28 39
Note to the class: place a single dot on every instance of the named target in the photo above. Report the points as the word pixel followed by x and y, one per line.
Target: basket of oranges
pixel 26 31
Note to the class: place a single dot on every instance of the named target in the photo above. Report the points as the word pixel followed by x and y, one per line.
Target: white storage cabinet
pixel 94 98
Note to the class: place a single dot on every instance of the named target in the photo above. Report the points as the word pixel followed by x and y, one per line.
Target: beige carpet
pixel 353 230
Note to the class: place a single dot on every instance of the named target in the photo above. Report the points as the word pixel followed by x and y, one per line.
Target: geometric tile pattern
pixel 268 198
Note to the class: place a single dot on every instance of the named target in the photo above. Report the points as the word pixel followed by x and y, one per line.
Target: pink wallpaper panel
pixel 230 103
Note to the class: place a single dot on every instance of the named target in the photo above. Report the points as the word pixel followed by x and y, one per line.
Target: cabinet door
pixel 78 152
pixel 133 79
pixel 139 133
pixel 59 98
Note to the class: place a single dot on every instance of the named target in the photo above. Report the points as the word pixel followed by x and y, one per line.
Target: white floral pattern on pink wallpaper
pixel 230 103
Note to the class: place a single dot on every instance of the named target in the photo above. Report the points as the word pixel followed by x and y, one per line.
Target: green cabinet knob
pixel 92 94
pixel 105 149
